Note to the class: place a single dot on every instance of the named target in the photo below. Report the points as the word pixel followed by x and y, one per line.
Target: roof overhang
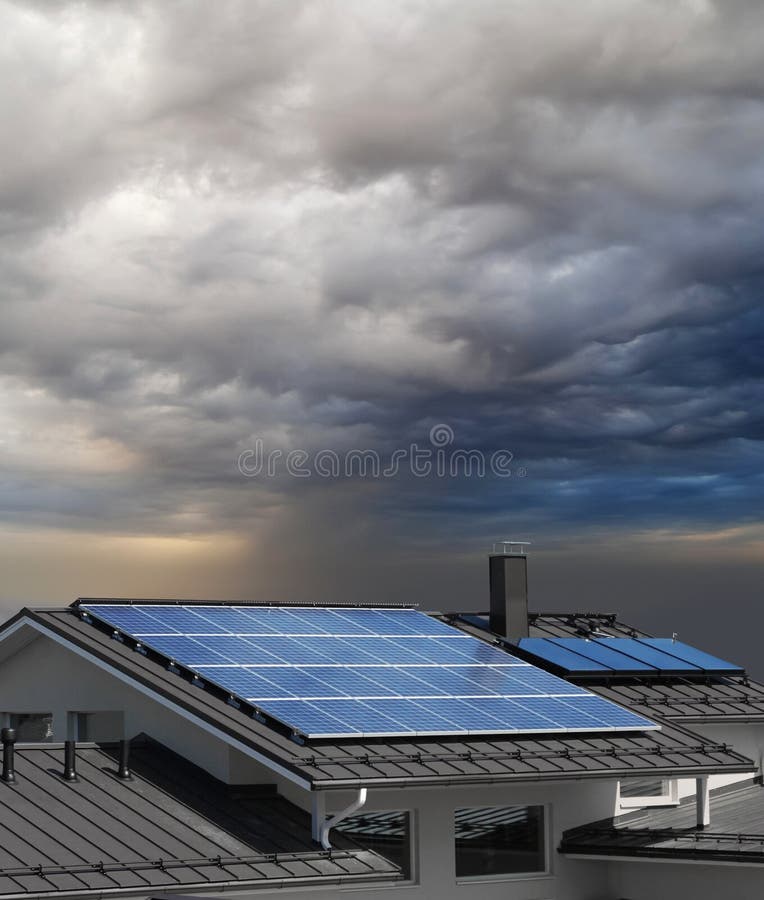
pixel 308 770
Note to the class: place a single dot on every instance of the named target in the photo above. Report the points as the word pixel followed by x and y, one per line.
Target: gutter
pixel 214 886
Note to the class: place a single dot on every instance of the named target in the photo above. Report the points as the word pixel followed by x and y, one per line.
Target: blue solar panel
pixel 603 710
pixel 361 682
pixel 182 620
pixel 692 655
pixel 136 620
pixel 608 655
pixel 291 651
pixel 245 683
pixel 651 656
pixel 397 681
pixel 531 677
pixel 344 672
pixel 566 713
pixel 369 717
pixel 236 620
pixel 561 657
pixel 403 622
pixel 310 719
pixel 624 656
pixel 422 716
pixel 503 710
pixel 288 681
pixel 188 650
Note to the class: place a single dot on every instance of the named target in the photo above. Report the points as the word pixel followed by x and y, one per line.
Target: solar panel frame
pixel 418 677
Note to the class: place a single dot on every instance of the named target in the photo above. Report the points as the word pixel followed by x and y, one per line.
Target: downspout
pixel 330 822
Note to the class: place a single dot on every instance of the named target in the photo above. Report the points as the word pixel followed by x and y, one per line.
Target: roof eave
pixel 700 857
pixel 584 775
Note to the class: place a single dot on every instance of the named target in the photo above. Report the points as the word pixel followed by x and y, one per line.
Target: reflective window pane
pixel 387 833
pixel 643 787
pixel 32 727
pixel 499 840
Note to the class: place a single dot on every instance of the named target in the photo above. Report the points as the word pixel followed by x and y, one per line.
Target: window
pixel 637 792
pixel 500 840
pixel 31 727
pixel 387 833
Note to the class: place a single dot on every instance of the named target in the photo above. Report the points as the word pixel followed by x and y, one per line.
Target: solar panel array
pixel 364 672
pixel 608 656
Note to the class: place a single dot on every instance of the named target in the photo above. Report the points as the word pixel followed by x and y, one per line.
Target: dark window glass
pixel 32 727
pixel 387 833
pixel 642 787
pixel 500 840
pixel 83 731
pixel 99 726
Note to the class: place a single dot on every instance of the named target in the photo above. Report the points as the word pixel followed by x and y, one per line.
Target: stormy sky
pixel 335 226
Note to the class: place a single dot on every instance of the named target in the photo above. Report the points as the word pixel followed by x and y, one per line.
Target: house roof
pixel 736 832
pixel 673 751
pixel 173 826
pixel 688 700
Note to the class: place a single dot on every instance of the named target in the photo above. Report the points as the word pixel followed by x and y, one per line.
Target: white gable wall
pixel 47 677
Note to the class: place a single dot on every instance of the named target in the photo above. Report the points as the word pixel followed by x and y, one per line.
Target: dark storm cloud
pixel 335 225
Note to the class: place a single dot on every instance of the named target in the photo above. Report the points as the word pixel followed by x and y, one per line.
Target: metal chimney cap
pixel 510 548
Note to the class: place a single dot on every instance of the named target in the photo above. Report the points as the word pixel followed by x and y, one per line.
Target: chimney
pixel 8 737
pixel 508 573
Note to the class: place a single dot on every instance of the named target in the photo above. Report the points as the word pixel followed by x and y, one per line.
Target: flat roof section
pixel 736 832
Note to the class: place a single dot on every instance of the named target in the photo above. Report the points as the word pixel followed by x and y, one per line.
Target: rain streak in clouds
pixel 334 225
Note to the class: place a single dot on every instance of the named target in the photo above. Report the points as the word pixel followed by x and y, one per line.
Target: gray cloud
pixel 334 225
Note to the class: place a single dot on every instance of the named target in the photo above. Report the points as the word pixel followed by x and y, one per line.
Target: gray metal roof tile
pixel 171 825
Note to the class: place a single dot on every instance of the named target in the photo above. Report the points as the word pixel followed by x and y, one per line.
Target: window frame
pixel 546 831
pixel 669 797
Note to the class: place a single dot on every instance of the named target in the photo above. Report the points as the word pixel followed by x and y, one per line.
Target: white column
pixel 703 802
pixel 317 813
